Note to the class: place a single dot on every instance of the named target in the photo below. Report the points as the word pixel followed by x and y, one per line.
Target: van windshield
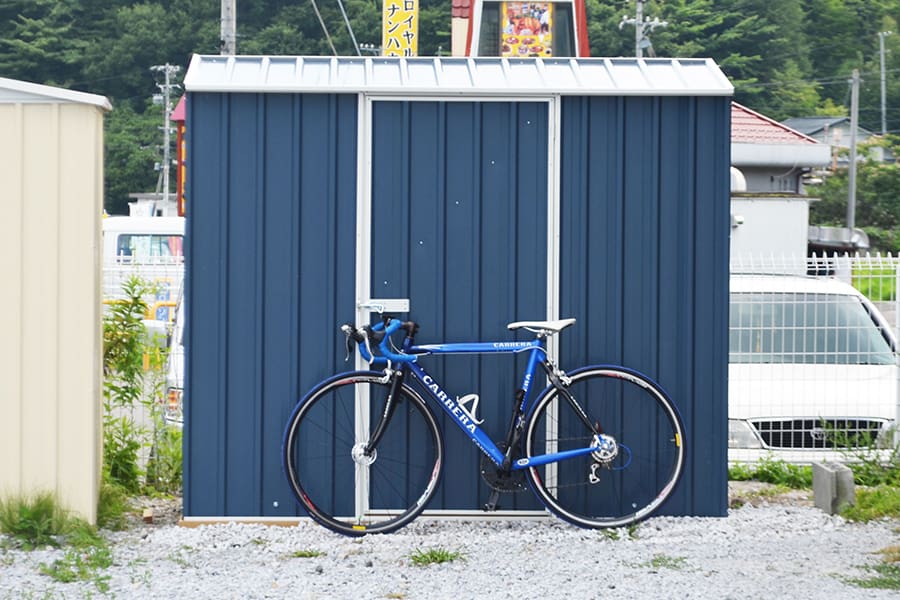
pixel 792 328
pixel 136 247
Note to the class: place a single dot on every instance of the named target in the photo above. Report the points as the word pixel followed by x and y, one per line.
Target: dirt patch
pixel 757 493
pixel 147 511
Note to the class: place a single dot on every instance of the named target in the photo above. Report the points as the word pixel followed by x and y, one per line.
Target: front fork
pixel 395 377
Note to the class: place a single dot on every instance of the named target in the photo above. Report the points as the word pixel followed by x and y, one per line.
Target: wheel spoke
pixel 636 461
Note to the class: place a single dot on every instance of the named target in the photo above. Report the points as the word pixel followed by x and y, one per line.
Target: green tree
pixel 41 44
pixel 132 140
pixel 877 199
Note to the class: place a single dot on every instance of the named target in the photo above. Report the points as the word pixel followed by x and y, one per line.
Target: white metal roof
pixel 488 76
pixel 13 91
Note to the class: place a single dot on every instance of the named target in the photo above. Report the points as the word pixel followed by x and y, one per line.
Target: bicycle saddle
pixel 550 326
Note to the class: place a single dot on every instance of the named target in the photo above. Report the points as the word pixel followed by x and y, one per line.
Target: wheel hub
pixel 359 455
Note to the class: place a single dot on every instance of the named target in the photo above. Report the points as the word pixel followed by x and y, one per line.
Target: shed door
pixel 458 225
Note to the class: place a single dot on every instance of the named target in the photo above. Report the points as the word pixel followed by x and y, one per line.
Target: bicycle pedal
pixel 491 505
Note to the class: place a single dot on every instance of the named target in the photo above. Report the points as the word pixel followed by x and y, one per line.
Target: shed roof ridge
pixel 438 75
pixel 37 90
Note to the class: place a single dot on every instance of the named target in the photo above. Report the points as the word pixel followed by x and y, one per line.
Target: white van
pixel 151 248
pixel 812 370
pixel 143 240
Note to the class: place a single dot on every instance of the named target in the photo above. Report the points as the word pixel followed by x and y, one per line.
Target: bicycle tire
pixel 318 456
pixel 649 444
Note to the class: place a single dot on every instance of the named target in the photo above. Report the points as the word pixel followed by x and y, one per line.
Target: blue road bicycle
pixel 600 446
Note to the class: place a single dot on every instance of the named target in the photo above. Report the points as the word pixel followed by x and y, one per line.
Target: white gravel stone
pixel 766 552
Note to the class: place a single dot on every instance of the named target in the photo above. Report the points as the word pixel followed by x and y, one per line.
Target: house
pixel 772 156
pixel 769 205
pixel 835 131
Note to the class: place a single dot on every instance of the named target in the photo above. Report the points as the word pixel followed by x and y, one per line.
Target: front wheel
pixel 638 442
pixel 338 484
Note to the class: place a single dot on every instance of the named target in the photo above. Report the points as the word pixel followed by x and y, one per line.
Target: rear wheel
pixel 638 456
pixel 330 475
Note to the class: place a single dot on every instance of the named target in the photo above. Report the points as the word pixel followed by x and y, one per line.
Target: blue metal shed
pixel 475 191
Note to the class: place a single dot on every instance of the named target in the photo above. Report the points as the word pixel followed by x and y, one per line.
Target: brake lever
pixel 351 335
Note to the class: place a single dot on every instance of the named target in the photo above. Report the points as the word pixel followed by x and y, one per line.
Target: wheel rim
pixel 644 471
pixel 344 490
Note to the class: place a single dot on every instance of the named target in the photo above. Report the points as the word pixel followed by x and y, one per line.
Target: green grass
pixel 874 503
pixel 82 564
pixel 306 554
pixel 40 520
pixel 433 556
pixel 661 561
pixel 770 470
pixel 876 284
pixel 616 533
pixel 34 521
pixel 886 575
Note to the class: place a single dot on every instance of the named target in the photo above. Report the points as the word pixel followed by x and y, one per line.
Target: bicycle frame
pixel 465 421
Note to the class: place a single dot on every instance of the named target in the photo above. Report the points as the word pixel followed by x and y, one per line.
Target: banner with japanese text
pixel 400 36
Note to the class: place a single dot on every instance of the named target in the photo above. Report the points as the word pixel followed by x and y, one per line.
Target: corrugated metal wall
pixel 644 260
pixel 459 212
pixel 51 165
pixel 270 255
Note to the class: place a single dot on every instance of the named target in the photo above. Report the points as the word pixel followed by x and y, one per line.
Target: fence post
pixel 896 264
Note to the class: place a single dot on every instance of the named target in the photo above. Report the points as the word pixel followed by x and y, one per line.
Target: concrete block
pixel 833 486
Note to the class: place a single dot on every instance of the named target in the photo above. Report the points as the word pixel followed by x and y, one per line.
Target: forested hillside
pixel 785 57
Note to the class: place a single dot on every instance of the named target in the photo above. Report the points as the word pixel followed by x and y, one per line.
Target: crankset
pixel 497 479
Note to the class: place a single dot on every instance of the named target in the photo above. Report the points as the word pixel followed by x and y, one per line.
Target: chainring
pixel 514 481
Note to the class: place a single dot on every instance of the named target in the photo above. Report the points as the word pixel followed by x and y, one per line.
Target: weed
pixel 134 377
pixel 661 561
pixel 614 534
pixel 164 468
pixel 179 560
pixel 35 521
pixel 306 554
pixel 433 556
pixel 41 521
pixel 874 503
pixel 611 534
pixel 886 577
pixel 771 470
pixel 113 505
pixel 82 564
pixel 633 531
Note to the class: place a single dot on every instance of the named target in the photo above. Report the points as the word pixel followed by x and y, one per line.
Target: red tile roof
pixel 461 8
pixel 750 127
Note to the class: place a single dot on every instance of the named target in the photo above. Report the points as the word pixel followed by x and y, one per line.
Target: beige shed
pixel 51 166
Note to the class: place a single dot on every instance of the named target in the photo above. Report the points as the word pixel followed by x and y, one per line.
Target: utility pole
pixel 229 28
pixel 881 36
pixel 851 179
pixel 643 26
pixel 165 99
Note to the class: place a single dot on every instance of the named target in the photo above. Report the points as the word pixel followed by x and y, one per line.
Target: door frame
pixel 363 304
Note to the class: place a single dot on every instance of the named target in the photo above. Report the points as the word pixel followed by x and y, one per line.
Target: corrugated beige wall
pixel 51 200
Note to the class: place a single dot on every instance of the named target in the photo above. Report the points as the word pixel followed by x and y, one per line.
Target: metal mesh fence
pixel 813 371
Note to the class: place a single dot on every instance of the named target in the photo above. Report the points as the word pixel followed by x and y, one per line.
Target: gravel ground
pixel 768 547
